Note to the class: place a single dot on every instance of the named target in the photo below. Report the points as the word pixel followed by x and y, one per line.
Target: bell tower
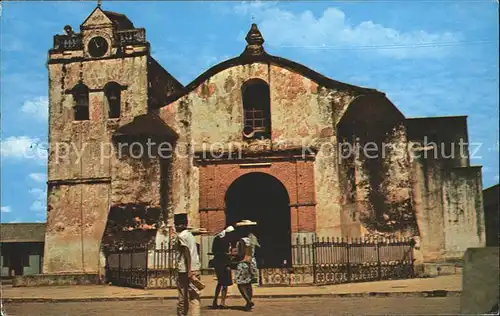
pixel 100 79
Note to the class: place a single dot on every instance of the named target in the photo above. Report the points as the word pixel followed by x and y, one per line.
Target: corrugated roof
pixel 22 232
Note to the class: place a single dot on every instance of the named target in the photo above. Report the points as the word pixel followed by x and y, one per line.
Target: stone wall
pixel 81 165
pixel 136 178
pixel 56 280
pixel 374 172
pixel 76 219
pixel 463 211
pixel 329 220
pixel 428 204
pixel 480 289
pixel 88 173
pixel 446 191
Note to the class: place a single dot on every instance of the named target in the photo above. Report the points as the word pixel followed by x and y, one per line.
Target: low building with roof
pixel 21 248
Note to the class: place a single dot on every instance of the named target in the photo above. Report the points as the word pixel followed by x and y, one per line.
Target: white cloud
pixel 6 209
pixel 332 30
pixel 17 220
pixel 37 107
pixel 39 204
pixel 23 147
pixel 38 177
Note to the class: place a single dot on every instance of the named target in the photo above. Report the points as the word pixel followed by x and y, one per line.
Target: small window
pixel 81 102
pixel 112 91
pixel 256 107
pixel 5 260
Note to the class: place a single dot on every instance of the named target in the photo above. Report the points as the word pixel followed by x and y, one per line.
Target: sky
pixel 431 58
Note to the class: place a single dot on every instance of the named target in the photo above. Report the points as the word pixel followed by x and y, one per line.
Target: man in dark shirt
pixel 222 265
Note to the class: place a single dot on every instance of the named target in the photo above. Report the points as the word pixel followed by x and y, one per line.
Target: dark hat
pixel 180 219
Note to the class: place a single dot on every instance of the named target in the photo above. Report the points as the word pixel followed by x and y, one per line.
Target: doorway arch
pixel 262 198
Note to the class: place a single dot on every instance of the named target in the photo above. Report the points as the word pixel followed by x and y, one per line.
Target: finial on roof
pixel 254 42
pixel 99 2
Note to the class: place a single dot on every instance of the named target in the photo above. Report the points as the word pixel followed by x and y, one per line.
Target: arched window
pixel 256 109
pixel 112 90
pixel 81 102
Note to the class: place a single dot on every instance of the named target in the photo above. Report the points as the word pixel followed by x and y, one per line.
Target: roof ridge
pixel 271 59
pixel 112 12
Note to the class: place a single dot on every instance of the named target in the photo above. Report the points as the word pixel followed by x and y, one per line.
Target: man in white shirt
pixel 188 265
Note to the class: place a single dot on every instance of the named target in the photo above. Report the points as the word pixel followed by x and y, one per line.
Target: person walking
pixel 222 266
pixel 247 272
pixel 188 265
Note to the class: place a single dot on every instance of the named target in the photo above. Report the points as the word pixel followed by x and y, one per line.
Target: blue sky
pixel 432 58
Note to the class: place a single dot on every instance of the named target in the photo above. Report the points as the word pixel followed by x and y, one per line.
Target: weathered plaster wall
pixel 76 219
pixel 463 211
pixel 398 215
pixel 302 114
pixel 80 160
pixel 428 204
pixel 328 198
pixel 375 177
pixel 95 133
pixel 136 178
pixel 184 182
pixel 446 191
pixel 217 112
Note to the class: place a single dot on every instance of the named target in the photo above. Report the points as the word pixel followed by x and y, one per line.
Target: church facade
pixel 255 137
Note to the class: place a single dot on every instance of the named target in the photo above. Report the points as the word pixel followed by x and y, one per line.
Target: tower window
pixel 112 91
pixel 256 109
pixel 81 102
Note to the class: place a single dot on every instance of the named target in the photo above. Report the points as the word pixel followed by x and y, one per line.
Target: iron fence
pixel 339 260
pixel 314 261
pixel 142 266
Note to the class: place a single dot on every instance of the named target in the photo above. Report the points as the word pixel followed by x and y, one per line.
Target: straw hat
pixel 223 233
pixel 246 222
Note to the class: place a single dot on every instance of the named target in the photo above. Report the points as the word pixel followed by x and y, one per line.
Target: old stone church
pixel 255 137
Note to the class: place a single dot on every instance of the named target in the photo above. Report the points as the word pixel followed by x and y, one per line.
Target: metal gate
pixel 128 267
pixel 141 266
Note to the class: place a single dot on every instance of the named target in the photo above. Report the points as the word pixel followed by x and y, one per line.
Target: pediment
pixel 97 17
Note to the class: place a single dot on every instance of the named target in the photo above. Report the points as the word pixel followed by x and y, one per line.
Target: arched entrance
pixel 263 198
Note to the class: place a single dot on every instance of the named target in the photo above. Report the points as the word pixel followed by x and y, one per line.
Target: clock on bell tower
pixel 97 46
